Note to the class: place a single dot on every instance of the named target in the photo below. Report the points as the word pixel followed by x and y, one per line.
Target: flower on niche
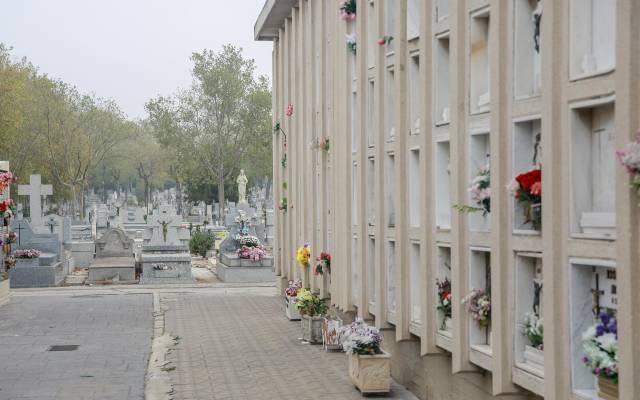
pixel 289 110
pixel 385 40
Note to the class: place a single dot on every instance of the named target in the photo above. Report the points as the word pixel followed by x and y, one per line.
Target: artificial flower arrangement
pixel 309 304
pixel 480 190
pixel 7 208
pixel 289 111
pixel 283 160
pixel 322 144
pixel 629 157
pixel 248 240
pixel 444 299
pixel 360 338
pixel 478 304
pixel 385 40
pixel 526 188
pixel 534 330
pixel 303 255
pixel 324 264
pixel 351 41
pixel 293 288
pixel 26 253
pixel 348 10
pixel 600 347
pixel 254 253
pixel 6 179
pixel 283 204
pixel 11 238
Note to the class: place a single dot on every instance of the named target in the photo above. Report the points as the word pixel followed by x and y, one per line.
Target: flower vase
pixel 535 216
pixel 607 389
pixel 6 248
pixel 312 329
pixel 448 323
pixel 371 373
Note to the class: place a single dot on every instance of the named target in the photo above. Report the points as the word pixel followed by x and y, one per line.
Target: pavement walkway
pixel 238 345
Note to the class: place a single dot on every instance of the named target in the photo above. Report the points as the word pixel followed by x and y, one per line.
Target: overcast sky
pixel 128 50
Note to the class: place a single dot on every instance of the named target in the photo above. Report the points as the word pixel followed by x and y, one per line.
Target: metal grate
pixel 64 347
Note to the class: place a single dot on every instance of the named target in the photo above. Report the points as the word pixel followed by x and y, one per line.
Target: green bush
pixel 200 243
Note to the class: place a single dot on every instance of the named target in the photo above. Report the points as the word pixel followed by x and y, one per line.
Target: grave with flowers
pixel 243 257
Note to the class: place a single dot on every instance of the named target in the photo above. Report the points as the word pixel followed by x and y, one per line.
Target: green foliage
pixel 201 243
pixel 221 124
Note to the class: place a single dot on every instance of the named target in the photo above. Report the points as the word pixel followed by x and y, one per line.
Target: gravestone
pixel 53 263
pixel 82 245
pixel 114 258
pixel 35 190
pixel 232 268
pixel 165 258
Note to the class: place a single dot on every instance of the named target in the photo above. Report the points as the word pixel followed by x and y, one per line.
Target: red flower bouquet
pixel 526 188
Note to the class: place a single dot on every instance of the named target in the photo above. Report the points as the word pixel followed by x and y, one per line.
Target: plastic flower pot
pixel 607 389
pixel 371 373
pixel 312 329
pixel 331 334
pixel 290 309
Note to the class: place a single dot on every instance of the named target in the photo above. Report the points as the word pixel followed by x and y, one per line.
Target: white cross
pixel 35 190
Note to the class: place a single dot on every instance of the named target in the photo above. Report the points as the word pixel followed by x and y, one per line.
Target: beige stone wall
pixel 381 158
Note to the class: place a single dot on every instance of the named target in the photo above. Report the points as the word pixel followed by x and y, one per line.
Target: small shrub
pixel 201 243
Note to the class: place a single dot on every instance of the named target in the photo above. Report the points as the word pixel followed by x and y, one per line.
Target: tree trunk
pixel 221 195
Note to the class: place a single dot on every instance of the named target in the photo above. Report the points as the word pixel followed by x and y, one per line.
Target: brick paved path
pixel 113 333
pixel 238 345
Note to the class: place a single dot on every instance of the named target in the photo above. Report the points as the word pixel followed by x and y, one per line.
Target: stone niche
pixel 527 63
pixel 391 281
pixel 480 278
pixel 593 289
pixel 444 327
pixel 593 169
pixel 441 52
pixel 479 95
pixel 479 156
pixel 443 185
pixel 390 190
pixel 527 155
pixel 592 29
pixel 415 280
pixel 442 9
pixel 529 362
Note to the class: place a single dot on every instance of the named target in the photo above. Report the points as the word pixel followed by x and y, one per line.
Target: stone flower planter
pixel 4 291
pixel 371 373
pixel 534 357
pixel 27 262
pixel 607 390
pixel 312 329
pixel 290 308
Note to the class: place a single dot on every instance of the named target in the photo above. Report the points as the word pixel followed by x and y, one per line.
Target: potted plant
pixel 534 331
pixel 444 303
pixel 369 365
pixel 311 308
pixel 26 258
pixel 291 296
pixel 600 347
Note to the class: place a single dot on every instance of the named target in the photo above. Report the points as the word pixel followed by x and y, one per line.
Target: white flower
pixel 608 342
pixel 589 334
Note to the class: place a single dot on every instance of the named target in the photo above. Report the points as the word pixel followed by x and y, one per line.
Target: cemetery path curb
pixel 157 382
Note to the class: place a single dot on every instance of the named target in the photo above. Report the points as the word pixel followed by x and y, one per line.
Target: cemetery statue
pixel 537 20
pixel 242 187
pixel 165 229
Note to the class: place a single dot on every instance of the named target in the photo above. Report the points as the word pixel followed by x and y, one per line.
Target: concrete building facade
pixel 416 98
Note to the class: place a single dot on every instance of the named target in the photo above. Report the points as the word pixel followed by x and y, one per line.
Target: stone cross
pixel 35 190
